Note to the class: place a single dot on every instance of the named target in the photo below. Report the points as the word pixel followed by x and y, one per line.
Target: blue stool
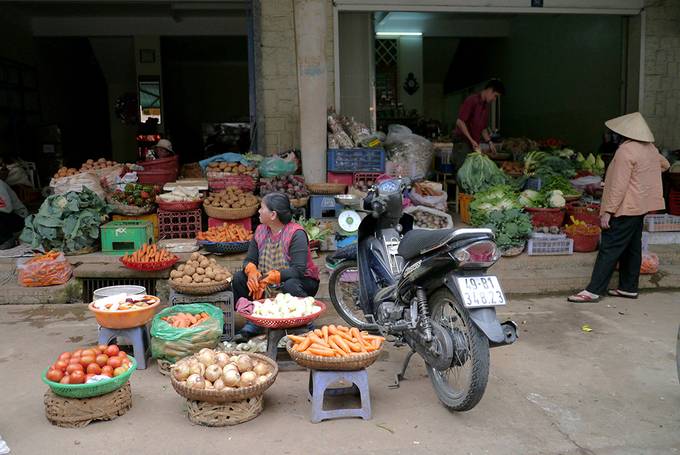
pixel 319 382
pixel 138 336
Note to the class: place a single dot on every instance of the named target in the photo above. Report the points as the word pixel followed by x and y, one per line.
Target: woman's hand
pixel 273 277
pixel 253 278
pixel 604 220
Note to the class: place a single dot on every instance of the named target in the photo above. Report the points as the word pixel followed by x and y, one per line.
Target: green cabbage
pixel 478 173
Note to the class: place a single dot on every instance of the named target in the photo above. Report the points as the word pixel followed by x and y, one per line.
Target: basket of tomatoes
pixel 89 372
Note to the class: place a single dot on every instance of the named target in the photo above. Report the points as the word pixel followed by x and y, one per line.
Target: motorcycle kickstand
pixel 400 376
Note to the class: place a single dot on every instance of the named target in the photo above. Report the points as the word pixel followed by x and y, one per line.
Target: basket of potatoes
pixel 231 204
pixel 200 276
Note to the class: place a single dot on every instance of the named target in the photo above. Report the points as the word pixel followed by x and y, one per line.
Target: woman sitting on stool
pixel 280 251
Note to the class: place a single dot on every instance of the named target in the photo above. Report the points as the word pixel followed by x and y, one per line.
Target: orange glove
pixel 273 277
pixel 253 278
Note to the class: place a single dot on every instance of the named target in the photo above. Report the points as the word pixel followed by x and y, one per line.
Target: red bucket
pixel 585 243
pixel 162 164
pixel 545 216
pixel 588 213
pixel 156 177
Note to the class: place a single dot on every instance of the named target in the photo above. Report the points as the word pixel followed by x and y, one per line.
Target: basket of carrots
pixel 149 258
pixel 47 269
pixel 335 348
pixel 225 239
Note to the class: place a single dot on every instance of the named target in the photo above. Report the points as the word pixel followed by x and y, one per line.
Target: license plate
pixel 480 291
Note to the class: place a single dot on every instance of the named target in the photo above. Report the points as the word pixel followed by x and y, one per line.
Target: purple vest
pixel 263 232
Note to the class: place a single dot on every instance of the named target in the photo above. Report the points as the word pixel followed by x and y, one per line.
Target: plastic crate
pixel 542 246
pixel 323 207
pixel 662 223
pixel 344 179
pixel 179 225
pixel 366 177
pixel 152 217
pixel 356 160
pixel 247 223
pixel 124 237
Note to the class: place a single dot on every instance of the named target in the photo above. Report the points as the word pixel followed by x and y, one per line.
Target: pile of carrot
pixel 186 320
pixel 228 232
pixel 149 253
pixel 45 270
pixel 336 341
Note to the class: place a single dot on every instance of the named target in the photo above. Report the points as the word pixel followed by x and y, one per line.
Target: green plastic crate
pixel 124 237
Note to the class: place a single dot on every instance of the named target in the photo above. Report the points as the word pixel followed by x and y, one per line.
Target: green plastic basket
pixel 90 390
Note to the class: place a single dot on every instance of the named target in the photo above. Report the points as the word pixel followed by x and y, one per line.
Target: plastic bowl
pixel 90 390
pixel 125 319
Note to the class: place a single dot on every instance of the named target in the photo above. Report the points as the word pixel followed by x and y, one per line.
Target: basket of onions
pixel 223 377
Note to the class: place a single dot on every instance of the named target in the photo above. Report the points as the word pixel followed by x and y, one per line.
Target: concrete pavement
pixel 558 390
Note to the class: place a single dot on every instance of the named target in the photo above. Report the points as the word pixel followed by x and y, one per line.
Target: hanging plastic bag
pixel 412 153
pixel 47 269
pixel 77 182
pixel 276 167
pixel 650 264
pixel 171 344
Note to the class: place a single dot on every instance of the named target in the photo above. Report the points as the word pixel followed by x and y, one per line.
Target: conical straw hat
pixel 632 126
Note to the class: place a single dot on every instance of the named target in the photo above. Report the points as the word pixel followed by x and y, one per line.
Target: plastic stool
pixel 319 382
pixel 138 336
pixel 223 300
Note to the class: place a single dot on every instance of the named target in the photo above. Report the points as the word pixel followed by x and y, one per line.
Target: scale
pixel 349 218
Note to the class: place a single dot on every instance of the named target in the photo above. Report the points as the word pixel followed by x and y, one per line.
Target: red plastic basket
pixel 585 243
pixel 179 206
pixel 588 213
pixel 163 164
pixel 157 177
pixel 150 266
pixel 179 225
pixel 286 323
pixel 545 216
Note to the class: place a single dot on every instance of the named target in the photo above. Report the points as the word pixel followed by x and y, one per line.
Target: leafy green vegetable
pixel 311 227
pixel 68 222
pixel 542 199
pixel 543 164
pixel 511 227
pixel 499 197
pixel 478 173
pixel 558 182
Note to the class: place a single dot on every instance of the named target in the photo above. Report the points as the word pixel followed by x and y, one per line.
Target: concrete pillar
pixel 310 33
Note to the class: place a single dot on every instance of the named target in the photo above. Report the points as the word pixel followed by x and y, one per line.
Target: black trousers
pixel 298 287
pixel 621 243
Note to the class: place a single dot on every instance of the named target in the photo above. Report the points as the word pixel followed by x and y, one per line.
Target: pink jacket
pixel 632 185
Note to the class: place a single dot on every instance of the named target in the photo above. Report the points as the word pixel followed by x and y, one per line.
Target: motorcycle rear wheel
pixel 344 295
pixel 460 387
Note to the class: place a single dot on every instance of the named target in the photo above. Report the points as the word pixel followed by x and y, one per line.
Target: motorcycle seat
pixel 418 241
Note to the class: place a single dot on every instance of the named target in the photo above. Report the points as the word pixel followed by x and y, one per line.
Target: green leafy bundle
pixel 558 182
pixel 478 173
pixel 312 228
pixel 511 227
pixel 68 222
pixel 496 198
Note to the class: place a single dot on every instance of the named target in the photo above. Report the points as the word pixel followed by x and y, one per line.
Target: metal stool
pixel 319 382
pixel 223 300
pixel 137 336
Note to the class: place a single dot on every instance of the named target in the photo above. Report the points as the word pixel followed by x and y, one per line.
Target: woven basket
pixel 129 210
pixel 182 206
pixel 221 415
pixel 228 396
pixel 200 289
pixel 77 413
pixel 150 266
pixel 326 188
pixel 164 366
pixel 316 362
pixel 514 251
pixel 230 214
pixel 297 203
pixel 286 323
pixel 572 197
pixel 90 390
pixel 224 247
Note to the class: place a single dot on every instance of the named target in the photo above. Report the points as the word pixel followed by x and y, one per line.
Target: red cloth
pixel 474 112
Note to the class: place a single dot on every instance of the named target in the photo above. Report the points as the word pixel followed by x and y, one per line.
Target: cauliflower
pixel 528 198
pixel 556 199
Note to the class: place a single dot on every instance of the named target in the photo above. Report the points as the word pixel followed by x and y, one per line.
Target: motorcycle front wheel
pixel 343 287
pixel 461 386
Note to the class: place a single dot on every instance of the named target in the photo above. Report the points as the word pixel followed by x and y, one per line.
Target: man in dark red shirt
pixel 473 117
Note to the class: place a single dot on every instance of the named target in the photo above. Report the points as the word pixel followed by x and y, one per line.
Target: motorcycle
pixel 428 289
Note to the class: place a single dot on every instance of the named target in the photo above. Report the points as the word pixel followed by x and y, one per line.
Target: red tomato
pixel 74 359
pixel 122 354
pixel 55 375
pixel 65 380
pixel 87 352
pixel 107 371
pixel 86 360
pixel 88 376
pixel 65 356
pixel 126 363
pixel 102 347
pixel 60 365
pixel 118 371
pixel 101 359
pixel 112 350
pixel 77 377
pixel 114 362
pixel 93 368
pixel 74 367
pixel 77 353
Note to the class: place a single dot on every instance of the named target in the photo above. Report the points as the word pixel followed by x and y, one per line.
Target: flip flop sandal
pixel 582 297
pixel 623 294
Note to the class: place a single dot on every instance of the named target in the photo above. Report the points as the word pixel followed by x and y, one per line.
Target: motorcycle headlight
pixel 479 254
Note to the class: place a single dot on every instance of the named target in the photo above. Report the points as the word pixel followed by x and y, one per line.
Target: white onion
pixel 233 358
pixel 196 381
pixel 261 369
pixel 195 367
pixel 261 380
pixel 222 359
pixel 230 377
pixel 247 379
pixel 181 372
pixel 244 363
pixel 206 357
pixel 209 385
pixel 213 372
pixel 218 384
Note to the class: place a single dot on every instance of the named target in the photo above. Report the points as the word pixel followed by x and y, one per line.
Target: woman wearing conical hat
pixel 632 188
